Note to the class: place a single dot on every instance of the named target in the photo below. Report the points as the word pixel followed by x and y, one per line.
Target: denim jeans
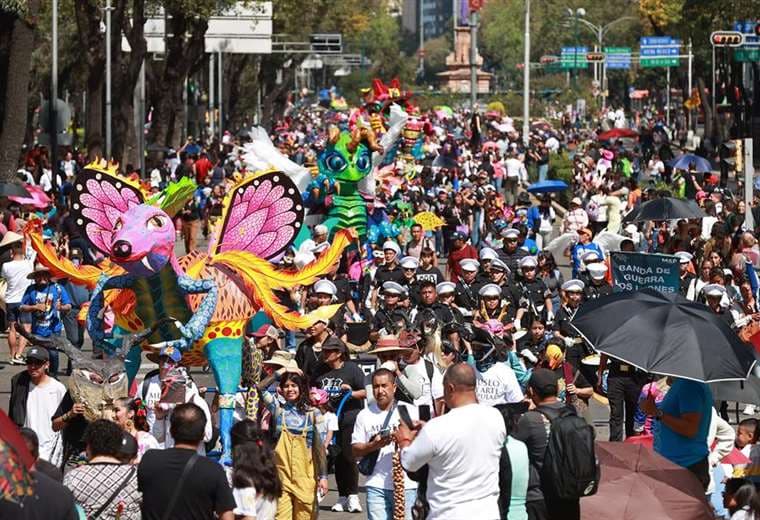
pixel 380 503
pixel 543 169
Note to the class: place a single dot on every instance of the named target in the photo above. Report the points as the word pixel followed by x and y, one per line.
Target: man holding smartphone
pixel 374 432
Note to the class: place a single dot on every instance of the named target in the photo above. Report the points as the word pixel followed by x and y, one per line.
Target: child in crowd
pixel 642 423
pixel 738 497
pixel 328 427
pixel 746 440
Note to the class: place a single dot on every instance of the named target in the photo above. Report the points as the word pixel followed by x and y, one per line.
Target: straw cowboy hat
pixel 388 343
pixel 280 358
pixel 10 238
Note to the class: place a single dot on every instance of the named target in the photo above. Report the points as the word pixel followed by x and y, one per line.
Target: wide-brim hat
pixel 279 358
pixel 10 238
pixel 39 269
pixel 388 343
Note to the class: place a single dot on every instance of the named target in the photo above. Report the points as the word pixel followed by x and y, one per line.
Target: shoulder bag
pixel 185 472
pixel 367 463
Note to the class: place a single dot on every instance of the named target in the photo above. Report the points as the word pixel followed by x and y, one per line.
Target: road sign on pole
pixel 618 57
pixel 573 58
pixel 659 51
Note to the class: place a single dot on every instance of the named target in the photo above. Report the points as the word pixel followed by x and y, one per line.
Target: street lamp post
pixel 526 78
pixel 600 31
pixel 576 16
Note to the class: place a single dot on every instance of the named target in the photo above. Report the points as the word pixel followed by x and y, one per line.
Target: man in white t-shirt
pixel 497 384
pixel 462 450
pixel 373 432
pixel 426 375
pixel 43 395
pixel 159 412
pixel 16 275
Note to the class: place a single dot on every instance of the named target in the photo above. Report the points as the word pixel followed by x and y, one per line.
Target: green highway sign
pixel 658 62
pixel 573 58
pixel 747 54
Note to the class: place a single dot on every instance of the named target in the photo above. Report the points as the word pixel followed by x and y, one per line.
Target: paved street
pixel 7 371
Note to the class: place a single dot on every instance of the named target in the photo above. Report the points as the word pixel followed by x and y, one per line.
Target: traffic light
pixel 595 57
pixel 731 159
pixel 727 38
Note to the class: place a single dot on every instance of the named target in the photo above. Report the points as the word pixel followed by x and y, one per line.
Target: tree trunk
pixel 237 65
pixel 88 17
pixel 182 56
pixel 13 123
pixel 273 101
pixel 127 68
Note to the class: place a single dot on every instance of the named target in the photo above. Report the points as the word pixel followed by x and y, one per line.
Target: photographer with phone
pixel 373 444
pixel 463 475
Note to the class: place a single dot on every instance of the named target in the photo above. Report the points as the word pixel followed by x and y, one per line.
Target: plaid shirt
pixel 575 220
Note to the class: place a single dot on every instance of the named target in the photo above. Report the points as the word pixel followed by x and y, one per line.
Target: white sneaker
pixel 749 409
pixel 341 506
pixel 353 504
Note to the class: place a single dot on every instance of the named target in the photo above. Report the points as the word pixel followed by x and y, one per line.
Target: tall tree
pixel 18 21
pixel 187 21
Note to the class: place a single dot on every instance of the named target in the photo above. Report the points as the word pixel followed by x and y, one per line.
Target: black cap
pixel 38 353
pixel 544 382
pixel 334 343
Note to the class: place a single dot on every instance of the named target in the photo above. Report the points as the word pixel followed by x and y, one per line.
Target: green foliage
pixel 561 168
pixel 16 7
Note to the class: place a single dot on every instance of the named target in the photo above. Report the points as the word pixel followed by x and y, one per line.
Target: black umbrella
pixel 665 334
pixel 13 189
pixel 665 208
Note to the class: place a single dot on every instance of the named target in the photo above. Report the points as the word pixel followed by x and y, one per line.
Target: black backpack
pixel 571 469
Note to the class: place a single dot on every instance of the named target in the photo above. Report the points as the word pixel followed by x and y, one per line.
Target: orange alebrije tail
pixel 62 267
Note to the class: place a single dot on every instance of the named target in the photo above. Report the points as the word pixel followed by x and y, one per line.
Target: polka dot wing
pixel 262 215
pixel 99 197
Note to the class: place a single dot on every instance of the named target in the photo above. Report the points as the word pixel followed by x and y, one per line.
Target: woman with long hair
pixel 552 277
pixel 256 483
pixel 131 415
pixel 344 380
pixel 299 455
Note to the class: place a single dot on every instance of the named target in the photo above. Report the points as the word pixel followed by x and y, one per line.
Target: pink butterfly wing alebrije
pixel 99 199
pixel 263 218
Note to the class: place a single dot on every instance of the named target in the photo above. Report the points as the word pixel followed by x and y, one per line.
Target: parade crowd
pixel 451 383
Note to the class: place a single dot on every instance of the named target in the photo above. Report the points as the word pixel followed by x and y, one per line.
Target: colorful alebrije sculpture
pixel 346 161
pixel 208 296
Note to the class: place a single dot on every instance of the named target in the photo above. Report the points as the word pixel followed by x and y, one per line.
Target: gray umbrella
pixel 666 208
pixel 13 189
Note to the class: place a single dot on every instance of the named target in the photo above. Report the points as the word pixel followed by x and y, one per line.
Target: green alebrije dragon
pixel 344 163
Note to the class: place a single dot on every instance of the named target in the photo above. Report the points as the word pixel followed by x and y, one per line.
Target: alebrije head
pixel 143 240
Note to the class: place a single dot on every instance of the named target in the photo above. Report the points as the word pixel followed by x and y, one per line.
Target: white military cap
pixel 391 287
pixel 499 265
pixel 714 289
pixel 488 254
pixel 684 257
pixel 510 233
pixel 409 262
pixel 528 261
pixel 445 287
pixel 490 289
pixel 469 264
pixel 325 287
pixel 597 271
pixel 573 285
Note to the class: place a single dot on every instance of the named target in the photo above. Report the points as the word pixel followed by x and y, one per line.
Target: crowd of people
pixel 451 369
